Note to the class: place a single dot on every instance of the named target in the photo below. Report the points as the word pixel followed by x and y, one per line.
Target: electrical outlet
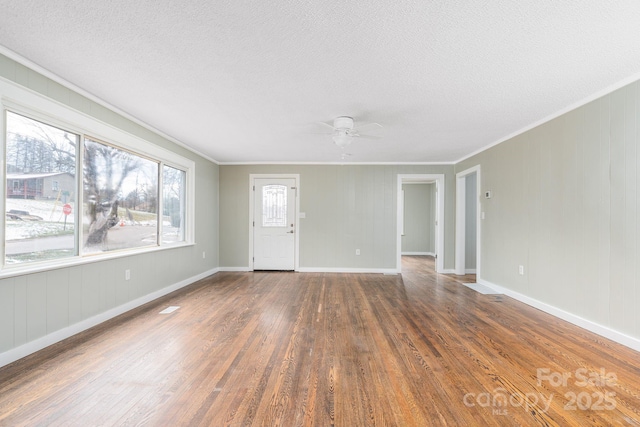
pixel 204 255
pixel 521 270
pixel 127 274
pixel 357 251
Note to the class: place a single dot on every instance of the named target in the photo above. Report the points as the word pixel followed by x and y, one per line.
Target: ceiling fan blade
pixel 367 136
pixel 368 127
pixel 326 125
pixel 317 128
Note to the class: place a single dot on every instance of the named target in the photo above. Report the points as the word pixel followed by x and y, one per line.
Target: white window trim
pixel 27 102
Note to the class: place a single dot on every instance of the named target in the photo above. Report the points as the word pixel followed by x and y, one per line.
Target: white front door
pixel 274 223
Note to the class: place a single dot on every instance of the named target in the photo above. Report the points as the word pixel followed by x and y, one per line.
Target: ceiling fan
pixel 343 130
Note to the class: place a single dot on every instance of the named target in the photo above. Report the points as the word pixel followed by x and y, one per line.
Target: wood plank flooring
pixel 289 349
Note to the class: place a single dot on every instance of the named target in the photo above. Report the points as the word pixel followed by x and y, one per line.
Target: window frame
pixel 187 220
pixel 81 247
pixel 37 107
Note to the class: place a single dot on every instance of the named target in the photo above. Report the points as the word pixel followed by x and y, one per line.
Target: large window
pixel 122 200
pixel 37 156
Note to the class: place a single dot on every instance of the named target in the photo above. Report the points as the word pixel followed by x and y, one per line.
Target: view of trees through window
pixel 37 156
pixel 120 195
pixel 173 194
pixel 120 199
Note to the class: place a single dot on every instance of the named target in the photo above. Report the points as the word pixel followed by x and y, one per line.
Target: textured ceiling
pixel 245 80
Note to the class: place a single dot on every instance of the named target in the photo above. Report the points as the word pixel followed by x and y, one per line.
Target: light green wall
pixel 419 218
pixel 347 207
pixel 565 205
pixel 38 304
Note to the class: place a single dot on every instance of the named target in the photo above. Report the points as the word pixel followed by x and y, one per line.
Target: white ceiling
pixel 245 80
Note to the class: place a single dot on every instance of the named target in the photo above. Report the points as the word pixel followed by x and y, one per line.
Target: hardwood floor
pixel 328 349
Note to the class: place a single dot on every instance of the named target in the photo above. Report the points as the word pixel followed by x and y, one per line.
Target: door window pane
pixel 40 188
pixel 120 199
pixel 173 202
pixel 274 206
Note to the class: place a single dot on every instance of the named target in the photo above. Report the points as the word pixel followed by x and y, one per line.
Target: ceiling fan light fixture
pixel 342 140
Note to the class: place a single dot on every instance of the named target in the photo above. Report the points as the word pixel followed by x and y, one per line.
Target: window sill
pixel 20 270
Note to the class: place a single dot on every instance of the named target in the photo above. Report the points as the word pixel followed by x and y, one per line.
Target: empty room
pixel 320 214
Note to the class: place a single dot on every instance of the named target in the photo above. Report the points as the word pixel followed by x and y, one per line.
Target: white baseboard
pixel 391 271
pixel 470 271
pixel 419 253
pixel 347 270
pixel 243 269
pixel 448 271
pixel 589 325
pixel 64 333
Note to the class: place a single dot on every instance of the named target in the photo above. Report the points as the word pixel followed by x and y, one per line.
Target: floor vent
pixel 486 290
pixel 170 309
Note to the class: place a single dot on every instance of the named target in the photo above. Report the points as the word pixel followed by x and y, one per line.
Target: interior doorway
pixel 437 180
pixel 468 221
pixel 419 219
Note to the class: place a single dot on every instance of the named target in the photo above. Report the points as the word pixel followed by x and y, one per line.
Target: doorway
pixel 438 181
pixel 419 225
pixel 274 222
pixel 468 222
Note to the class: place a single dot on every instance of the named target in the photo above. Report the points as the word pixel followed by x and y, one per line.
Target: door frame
pixel 461 211
pixel 425 178
pixel 296 222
